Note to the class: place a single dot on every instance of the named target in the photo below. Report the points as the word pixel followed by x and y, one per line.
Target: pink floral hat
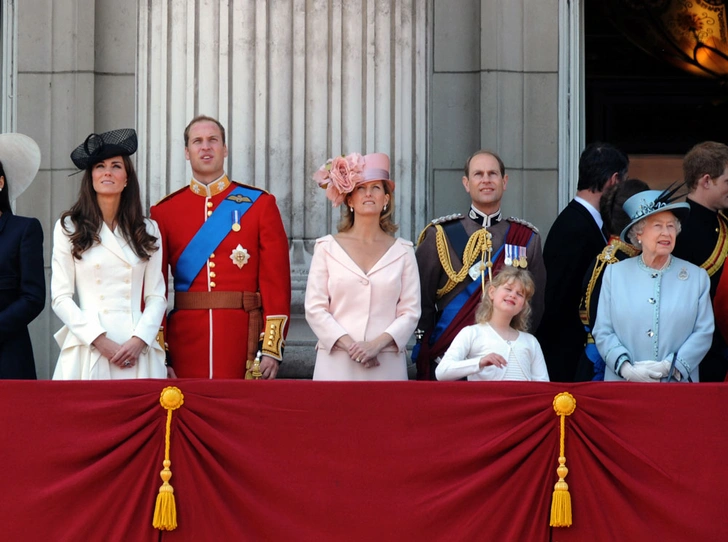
pixel 340 175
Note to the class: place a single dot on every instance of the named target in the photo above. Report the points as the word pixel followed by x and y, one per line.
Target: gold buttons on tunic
pixel 209 213
pixel 212 285
pixel 209 204
pixel 212 274
pixel 212 255
pixel 211 264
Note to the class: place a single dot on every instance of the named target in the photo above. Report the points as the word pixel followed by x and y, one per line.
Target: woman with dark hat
pixel 363 292
pixel 654 321
pixel 22 280
pixel 108 254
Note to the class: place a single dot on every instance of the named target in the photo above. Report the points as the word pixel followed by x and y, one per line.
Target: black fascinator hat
pixel 98 147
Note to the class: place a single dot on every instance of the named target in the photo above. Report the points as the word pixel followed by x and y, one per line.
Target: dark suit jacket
pixel 573 242
pixel 695 243
pixel 22 292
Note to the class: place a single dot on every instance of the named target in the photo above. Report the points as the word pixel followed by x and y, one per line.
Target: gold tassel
pixel 165 511
pixel 564 405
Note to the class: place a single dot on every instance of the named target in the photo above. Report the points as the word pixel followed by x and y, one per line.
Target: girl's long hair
pixel 521 321
pixel 86 217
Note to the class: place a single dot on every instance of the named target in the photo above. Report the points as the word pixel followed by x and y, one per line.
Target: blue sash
pixel 453 308
pixel 210 235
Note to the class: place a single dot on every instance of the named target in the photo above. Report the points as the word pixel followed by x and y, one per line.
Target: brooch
pixel 240 256
pixel 683 274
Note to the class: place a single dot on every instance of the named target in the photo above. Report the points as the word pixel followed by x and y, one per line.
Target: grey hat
pixel 98 147
pixel 20 157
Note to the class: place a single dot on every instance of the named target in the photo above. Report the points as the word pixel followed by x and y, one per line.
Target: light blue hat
pixel 650 202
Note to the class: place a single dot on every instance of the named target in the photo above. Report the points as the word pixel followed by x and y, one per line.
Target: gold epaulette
pixel 272 336
pixel 250 186
pixel 172 194
pixel 521 221
pixel 436 221
pixel 717 258
pixel 607 256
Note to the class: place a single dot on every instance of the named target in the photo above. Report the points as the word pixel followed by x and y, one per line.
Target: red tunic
pixel 212 343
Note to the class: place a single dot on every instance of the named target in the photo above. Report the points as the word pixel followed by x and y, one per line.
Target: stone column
pixel 294 82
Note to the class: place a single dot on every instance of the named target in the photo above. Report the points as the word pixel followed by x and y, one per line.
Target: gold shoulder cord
pixel 477 245
pixel 717 258
pixel 606 257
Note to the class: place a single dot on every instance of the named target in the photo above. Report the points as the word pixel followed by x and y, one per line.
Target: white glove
pixel 662 367
pixel 640 372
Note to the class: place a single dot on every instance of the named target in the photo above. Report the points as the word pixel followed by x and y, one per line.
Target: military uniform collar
pixel 698 211
pixel 484 219
pixel 212 189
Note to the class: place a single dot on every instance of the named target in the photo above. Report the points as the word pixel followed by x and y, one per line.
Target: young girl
pixel 497 347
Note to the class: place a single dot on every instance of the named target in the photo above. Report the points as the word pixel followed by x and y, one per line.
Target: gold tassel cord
pixel 564 405
pixel 478 244
pixel 165 510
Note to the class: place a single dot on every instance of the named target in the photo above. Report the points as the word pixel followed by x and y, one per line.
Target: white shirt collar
pixel 593 211
pixel 483 219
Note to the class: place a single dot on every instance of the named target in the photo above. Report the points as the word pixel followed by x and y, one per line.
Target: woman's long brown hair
pixel 87 218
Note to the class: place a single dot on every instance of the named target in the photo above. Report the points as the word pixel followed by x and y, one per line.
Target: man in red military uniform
pixel 228 253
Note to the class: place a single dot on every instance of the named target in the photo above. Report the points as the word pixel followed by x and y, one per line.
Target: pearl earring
pixel 639 241
pixel 351 209
pixel 385 206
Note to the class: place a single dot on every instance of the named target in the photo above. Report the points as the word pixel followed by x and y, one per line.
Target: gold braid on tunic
pixel 717 258
pixel 478 244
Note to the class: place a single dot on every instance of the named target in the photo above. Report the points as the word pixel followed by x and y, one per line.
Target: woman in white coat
pixel 363 292
pixel 108 255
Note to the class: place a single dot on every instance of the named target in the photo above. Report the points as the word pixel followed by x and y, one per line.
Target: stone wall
pixel 295 82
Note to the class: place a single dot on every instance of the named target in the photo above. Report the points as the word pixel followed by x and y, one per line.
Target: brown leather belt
pixel 248 301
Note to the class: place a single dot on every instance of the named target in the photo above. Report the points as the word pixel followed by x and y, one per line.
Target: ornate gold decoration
pixel 564 405
pixel 478 244
pixel 717 258
pixel 272 336
pixel 165 510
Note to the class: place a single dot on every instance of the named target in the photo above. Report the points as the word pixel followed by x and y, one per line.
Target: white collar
pixel 593 211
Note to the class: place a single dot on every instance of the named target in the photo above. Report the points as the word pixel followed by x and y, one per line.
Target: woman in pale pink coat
pixel 363 292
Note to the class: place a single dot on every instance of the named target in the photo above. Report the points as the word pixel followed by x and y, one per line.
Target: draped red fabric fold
pixel 323 461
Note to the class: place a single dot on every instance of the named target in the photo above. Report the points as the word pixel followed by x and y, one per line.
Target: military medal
pixel 522 259
pixel 236 220
pixel 239 255
pixel 508 260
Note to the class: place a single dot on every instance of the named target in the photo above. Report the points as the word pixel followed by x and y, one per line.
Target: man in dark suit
pixel 574 240
pixel 703 240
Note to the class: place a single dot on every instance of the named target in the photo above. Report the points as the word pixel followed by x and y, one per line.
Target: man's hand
pixel 268 367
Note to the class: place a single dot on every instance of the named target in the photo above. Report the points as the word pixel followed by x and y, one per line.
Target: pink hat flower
pixel 339 176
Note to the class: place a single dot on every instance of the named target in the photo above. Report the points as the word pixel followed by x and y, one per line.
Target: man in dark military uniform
pixel 228 252
pixel 454 253
pixel 703 240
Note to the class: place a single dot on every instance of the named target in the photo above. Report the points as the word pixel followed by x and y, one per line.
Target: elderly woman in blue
pixel 655 320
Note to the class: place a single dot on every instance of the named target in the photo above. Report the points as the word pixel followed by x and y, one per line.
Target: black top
pixel 22 292
pixel 573 242
pixel 695 243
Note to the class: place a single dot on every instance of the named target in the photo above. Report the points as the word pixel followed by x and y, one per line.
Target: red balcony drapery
pixel 299 460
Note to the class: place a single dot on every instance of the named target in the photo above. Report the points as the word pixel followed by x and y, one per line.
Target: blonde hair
pixel 385 218
pixel 507 275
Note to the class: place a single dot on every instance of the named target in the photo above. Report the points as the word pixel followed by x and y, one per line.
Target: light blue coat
pixel 651 315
